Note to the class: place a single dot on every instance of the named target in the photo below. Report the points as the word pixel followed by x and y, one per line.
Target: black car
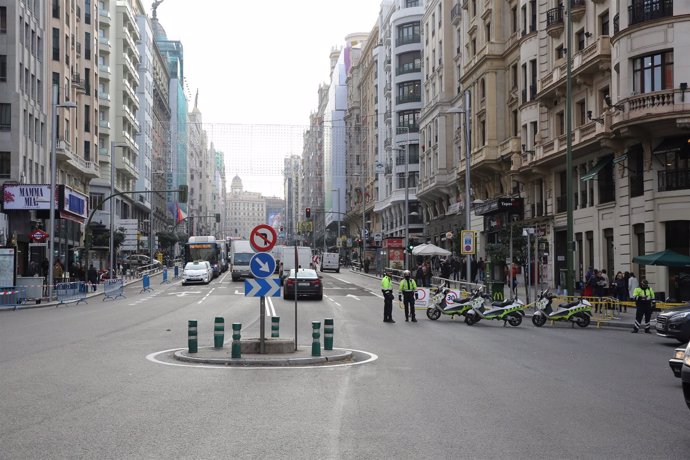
pixel 674 324
pixel 676 362
pixel 308 284
pixel 685 376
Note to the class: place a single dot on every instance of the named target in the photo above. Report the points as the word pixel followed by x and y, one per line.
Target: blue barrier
pixel 112 289
pixel 146 284
pixel 165 276
pixel 176 272
pixel 12 297
pixel 74 291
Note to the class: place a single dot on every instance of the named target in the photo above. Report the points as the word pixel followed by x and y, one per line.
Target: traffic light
pixel 410 247
pixel 182 193
pixel 217 218
pixel 308 213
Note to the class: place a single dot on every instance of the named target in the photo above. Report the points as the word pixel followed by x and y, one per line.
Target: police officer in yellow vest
pixel 387 290
pixel 643 295
pixel 408 289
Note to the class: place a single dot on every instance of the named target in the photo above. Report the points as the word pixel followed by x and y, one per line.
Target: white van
pixel 330 261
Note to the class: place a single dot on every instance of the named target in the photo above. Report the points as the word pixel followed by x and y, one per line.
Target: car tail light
pixel 316 283
pixel 290 281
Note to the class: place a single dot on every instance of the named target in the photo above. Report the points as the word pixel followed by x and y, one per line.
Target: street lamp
pixel 53 180
pixel 113 146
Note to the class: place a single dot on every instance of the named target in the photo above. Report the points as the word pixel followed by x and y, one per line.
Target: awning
pixel 594 172
pixel 672 145
pixel 72 217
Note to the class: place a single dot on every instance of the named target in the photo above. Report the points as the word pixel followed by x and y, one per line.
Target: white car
pixel 197 272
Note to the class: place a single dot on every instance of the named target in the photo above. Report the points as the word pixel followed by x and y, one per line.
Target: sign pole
pixel 296 271
pixel 262 322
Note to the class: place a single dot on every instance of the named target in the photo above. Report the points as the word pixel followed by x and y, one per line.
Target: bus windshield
pixel 201 251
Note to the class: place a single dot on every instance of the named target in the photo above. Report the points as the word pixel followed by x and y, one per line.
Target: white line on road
pixel 204 297
pixel 354 297
pixel 377 295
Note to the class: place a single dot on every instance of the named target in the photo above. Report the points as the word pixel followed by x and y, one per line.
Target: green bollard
pixel 218 332
pixel 191 336
pixel 316 345
pixel 328 334
pixel 236 336
pixel 275 327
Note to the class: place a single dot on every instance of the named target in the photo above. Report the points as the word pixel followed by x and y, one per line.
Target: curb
pixel 181 355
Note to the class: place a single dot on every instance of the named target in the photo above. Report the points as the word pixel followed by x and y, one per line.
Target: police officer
pixel 387 290
pixel 643 295
pixel 408 290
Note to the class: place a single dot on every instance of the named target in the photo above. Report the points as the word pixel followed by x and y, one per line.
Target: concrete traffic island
pixel 279 352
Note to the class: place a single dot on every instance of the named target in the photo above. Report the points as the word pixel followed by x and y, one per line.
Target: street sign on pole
pixel 262 265
pixel 467 239
pixel 263 237
pixel 262 287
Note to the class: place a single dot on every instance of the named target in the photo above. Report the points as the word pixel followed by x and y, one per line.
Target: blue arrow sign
pixel 262 287
pixel 262 265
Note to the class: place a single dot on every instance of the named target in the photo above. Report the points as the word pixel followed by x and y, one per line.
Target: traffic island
pixel 279 353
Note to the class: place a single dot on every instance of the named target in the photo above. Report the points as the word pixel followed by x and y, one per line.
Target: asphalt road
pixel 75 382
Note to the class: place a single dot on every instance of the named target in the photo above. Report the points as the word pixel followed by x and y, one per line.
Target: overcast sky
pixel 258 66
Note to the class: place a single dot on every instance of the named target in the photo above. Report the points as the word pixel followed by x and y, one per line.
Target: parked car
pixel 685 375
pixel 139 260
pixel 307 282
pixel 197 272
pixel 674 324
pixel 676 362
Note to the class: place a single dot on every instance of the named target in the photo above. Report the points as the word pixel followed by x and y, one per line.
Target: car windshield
pixel 195 266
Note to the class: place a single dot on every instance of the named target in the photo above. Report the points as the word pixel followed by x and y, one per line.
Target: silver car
pixel 197 272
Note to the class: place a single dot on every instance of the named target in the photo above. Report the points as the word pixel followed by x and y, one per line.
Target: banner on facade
pixel 21 197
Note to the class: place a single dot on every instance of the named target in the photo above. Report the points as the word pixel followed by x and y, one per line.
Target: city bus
pixel 203 248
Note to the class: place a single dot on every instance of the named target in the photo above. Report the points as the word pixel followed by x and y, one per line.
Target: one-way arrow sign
pixel 262 287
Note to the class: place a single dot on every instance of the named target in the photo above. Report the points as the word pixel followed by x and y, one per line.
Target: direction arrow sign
pixel 262 287
pixel 262 265
pixel 263 238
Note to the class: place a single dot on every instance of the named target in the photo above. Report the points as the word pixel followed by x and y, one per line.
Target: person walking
pixel 633 284
pixel 620 290
pixel 387 290
pixel 408 293
pixel 643 295
pixel 93 277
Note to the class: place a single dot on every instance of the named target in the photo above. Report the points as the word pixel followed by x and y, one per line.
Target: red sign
pixel 38 235
pixel 263 238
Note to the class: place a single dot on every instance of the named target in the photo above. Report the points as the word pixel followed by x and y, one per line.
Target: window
pixel 560 52
pixel 408 33
pixel 604 23
pixel 87 118
pixel 514 76
pixel 56 44
pixel 87 46
pixel 408 119
pixel 580 112
pixel 488 32
pixel 635 171
pixel 482 89
pixel 3 20
pixel 87 11
pixel 56 9
pixel 513 20
pixel 409 91
pixel 3 67
pixel 96 201
pixel 580 37
pixel 409 62
pixel 482 132
pixel 5 117
pixel 5 165
pixel 87 150
pixel 560 123
pixel 515 123
pixel 653 72
pixel 473 47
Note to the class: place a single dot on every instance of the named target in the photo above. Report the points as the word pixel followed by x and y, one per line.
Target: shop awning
pixel 672 145
pixel 594 171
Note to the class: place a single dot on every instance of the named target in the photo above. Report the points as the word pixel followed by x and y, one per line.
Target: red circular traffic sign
pixel 263 238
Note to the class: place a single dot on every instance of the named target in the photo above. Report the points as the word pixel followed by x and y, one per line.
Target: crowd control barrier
pixel 176 272
pixel 74 291
pixel 146 284
pixel 34 286
pixel 165 276
pixel 112 289
pixel 12 297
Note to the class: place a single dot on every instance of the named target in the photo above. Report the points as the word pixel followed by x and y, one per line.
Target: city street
pixel 76 383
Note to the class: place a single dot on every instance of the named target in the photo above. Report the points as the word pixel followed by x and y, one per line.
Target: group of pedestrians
pixel 407 289
pixel 621 287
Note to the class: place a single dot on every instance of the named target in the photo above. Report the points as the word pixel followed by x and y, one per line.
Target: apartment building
pixel 161 218
pixel 246 210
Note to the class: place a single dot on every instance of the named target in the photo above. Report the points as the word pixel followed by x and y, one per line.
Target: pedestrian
pixel 514 273
pixel 607 284
pixel 419 276
pixel 408 294
pixel 588 290
pixel 57 272
pixel 93 277
pixel 633 283
pixel 387 290
pixel 643 295
pixel 445 271
pixel 428 275
pixel 600 286
pixel 620 288
pixel 456 269
pixel 481 267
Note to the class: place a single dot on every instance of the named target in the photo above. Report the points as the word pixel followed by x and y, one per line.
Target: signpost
pixel 263 238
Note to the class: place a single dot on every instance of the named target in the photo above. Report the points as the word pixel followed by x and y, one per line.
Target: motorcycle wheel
pixel 514 319
pixel 433 313
pixel 470 320
pixel 538 320
pixel 583 320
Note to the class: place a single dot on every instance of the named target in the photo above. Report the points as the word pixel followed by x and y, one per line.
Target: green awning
pixel 594 172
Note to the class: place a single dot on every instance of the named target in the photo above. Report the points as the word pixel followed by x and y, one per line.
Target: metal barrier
pixel 34 286
pixel 74 291
pixel 165 276
pixel 112 289
pixel 12 297
pixel 176 272
pixel 146 284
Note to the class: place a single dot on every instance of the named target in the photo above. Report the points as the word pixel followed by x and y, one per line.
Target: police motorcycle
pixel 509 311
pixel 439 305
pixel 579 311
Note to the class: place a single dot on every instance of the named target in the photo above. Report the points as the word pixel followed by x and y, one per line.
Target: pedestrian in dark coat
pixel 93 277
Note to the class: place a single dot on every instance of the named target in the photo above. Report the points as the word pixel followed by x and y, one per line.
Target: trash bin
pixel 497 290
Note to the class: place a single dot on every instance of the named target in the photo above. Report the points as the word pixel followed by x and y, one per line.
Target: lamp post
pixel 113 146
pixel 53 185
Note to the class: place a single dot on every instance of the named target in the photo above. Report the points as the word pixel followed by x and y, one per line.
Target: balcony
pixel 455 15
pixel 131 67
pixel 408 39
pixel 129 115
pixel 651 109
pixel 104 126
pixel 104 44
pixel 407 69
pixel 649 10
pixel 104 17
pixel 63 150
pixel 127 167
pixel 554 21
pixel 674 180
pixel 408 98
pixel 577 8
pixel 104 99
pixel 104 71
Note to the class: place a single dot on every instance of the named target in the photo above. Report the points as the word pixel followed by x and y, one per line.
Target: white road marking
pixel 238 292
pixel 204 297
pixel 375 294
pixel 184 293
pixel 354 297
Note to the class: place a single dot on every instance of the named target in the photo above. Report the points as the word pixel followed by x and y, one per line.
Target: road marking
pixel 184 293
pixel 204 297
pixel 375 294
pixel 238 292
pixel 346 282
pixel 354 297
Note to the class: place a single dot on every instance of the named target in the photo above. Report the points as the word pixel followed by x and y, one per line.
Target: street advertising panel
pixel 75 203
pixel 7 267
pixel 21 197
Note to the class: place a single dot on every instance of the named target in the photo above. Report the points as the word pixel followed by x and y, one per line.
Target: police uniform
pixel 408 288
pixel 387 290
pixel 643 295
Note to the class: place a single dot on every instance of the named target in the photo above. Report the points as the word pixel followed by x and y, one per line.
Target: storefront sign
pixel 498 205
pixel 26 197
pixel 75 203
pixel 393 243
pixel 38 235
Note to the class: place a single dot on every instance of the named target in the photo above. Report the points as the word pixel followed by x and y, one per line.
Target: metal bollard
pixel 191 336
pixel 218 332
pixel 275 327
pixel 236 336
pixel 316 334
pixel 328 334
